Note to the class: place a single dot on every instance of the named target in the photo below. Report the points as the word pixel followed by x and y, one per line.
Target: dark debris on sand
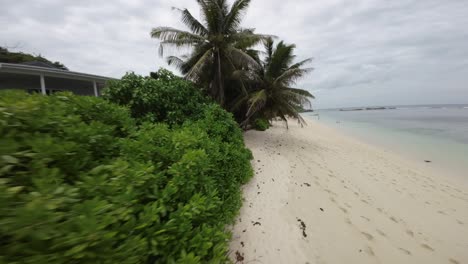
pixel 239 256
pixel 256 223
pixel 303 227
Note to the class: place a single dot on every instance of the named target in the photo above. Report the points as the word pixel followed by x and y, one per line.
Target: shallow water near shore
pixel 435 135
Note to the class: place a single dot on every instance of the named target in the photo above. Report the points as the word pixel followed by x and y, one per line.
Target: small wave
pixel 466 107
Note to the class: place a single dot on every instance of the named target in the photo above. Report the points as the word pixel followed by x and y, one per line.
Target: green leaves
pixel 261 124
pixel 219 45
pixel 168 99
pixel 81 182
pixel 270 95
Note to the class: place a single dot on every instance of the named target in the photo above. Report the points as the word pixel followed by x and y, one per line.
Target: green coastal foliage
pixel 223 61
pixel 20 57
pixel 270 94
pixel 82 181
pixel 261 124
pixel 168 98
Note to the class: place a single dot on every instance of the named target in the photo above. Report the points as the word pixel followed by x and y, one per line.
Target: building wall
pixel 31 83
pixel 19 81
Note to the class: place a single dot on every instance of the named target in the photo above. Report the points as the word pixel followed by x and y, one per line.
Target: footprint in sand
pixel 407 252
pixel 453 261
pixel 381 233
pixel 460 222
pixel 426 246
pixel 369 251
pixel 394 219
pixel 344 210
pixel 368 236
pixel 410 233
pixel 367 219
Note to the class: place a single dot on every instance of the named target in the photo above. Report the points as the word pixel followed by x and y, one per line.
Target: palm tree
pixel 219 44
pixel 271 94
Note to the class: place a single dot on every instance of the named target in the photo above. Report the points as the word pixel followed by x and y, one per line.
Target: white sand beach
pixel 319 196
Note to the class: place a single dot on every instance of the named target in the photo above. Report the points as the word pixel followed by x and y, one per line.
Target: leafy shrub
pixel 261 124
pixel 168 99
pixel 81 183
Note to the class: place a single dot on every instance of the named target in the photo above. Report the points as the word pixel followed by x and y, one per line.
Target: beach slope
pixel 319 196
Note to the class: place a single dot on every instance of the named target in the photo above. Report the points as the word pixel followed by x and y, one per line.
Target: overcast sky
pixel 366 52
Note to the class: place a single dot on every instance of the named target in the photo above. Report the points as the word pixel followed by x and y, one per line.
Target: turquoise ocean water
pixel 437 133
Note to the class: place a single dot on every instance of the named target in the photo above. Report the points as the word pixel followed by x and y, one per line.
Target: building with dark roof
pixel 46 79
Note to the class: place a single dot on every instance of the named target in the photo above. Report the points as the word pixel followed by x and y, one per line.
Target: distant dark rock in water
pixel 353 109
pixel 307 111
pixel 375 108
pixel 368 108
pixel 427 161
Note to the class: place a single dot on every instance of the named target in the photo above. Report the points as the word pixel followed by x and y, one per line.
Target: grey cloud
pixel 366 52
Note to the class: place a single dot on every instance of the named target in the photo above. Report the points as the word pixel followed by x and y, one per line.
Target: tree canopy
pixel 219 44
pixel 224 62
pixel 271 94
pixel 20 57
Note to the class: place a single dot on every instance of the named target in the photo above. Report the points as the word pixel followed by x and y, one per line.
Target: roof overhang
pixel 50 72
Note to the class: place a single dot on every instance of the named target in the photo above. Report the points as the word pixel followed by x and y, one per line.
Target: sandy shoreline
pixel 321 197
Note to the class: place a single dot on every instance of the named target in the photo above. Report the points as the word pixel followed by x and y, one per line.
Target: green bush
pixel 261 124
pixel 80 182
pixel 168 99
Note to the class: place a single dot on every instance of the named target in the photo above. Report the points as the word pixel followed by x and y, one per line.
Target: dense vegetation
pixel 151 172
pixel 83 180
pixel 162 98
pixel 225 64
pixel 270 94
pixel 20 57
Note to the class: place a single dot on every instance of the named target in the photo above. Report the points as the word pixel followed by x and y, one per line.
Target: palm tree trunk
pixel 220 80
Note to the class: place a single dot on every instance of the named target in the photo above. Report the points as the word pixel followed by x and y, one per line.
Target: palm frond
pixel 172 34
pixel 239 101
pixel 288 110
pixel 291 75
pixel 241 58
pixel 246 38
pixel 297 100
pixel 233 18
pixel 195 71
pixel 175 37
pixel 191 22
pixel 246 76
pixel 256 101
pixel 300 92
pixel 176 61
pixel 269 48
pixel 301 63
pixel 280 60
